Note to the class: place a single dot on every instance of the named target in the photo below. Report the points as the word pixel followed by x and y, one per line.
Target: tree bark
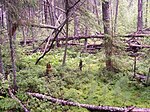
pixel 76 24
pixel 11 31
pixel 96 11
pixel 107 31
pixel 140 16
pixel 146 20
pixel 1 61
pixel 116 16
pixel 2 16
pixel 45 12
pixel 66 44
pixel 24 36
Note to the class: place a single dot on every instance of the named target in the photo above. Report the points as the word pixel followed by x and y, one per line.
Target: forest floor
pixel 93 85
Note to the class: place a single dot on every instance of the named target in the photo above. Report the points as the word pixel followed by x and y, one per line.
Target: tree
pixel 146 20
pixel 12 50
pixel 140 16
pixel 116 16
pixel 66 44
pixel 107 31
pixel 1 61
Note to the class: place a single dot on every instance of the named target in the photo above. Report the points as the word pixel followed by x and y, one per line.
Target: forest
pixel 74 55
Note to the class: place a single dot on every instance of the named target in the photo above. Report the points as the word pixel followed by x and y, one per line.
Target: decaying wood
pixel 140 46
pixel 87 106
pixel 51 45
pixel 15 98
pixel 96 36
pixel 59 29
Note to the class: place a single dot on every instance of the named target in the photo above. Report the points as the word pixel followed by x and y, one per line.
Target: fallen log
pixel 101 36
pixel 133 35
pixel 140 46
pixel 87 106
pixel 79 37
pixel 94 36
pixel 15 98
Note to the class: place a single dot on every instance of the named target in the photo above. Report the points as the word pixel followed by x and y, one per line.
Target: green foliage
pixel 92 85
pixel 7 104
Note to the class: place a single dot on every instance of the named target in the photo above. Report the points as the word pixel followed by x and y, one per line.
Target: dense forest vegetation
pixel 74 55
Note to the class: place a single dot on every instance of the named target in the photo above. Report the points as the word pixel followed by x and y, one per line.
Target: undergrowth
pixel 93 85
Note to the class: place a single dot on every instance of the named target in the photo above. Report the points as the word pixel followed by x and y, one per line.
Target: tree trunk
pixel 45 12
pixel 32 29
pixel 66 44
pixel 116 16
pixel 1 61
pixel 24 37
pixel 12 50
pixel 51 11
pixel 2 16
pixel 146 20
pixel 96 11
pixel 86 41
pixel 140 16
pixel 107 32
pixel 76 24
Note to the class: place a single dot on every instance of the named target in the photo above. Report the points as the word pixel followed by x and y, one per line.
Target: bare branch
pixel 59 29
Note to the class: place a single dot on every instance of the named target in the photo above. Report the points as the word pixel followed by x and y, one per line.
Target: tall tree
pixel 140 16
pixel 12 15
pixel 67 19
pixel 45 12
pixel 96 11
pixel 1 62
pixel 107 31
pixel 116 16
pixel 146 20
pixel 76 24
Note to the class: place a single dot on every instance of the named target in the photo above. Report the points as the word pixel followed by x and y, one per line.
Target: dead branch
pixel 57 33
pixel 58 30
pixel 15 98
pixel 41 26
pixel 87 106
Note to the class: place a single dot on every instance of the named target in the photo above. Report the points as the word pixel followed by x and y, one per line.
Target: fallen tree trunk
pixel 87 106
pixel 140 46
pixel 15 98
pixel 80 37
pixel 91 37
pixel 101 36
pixel 133 35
